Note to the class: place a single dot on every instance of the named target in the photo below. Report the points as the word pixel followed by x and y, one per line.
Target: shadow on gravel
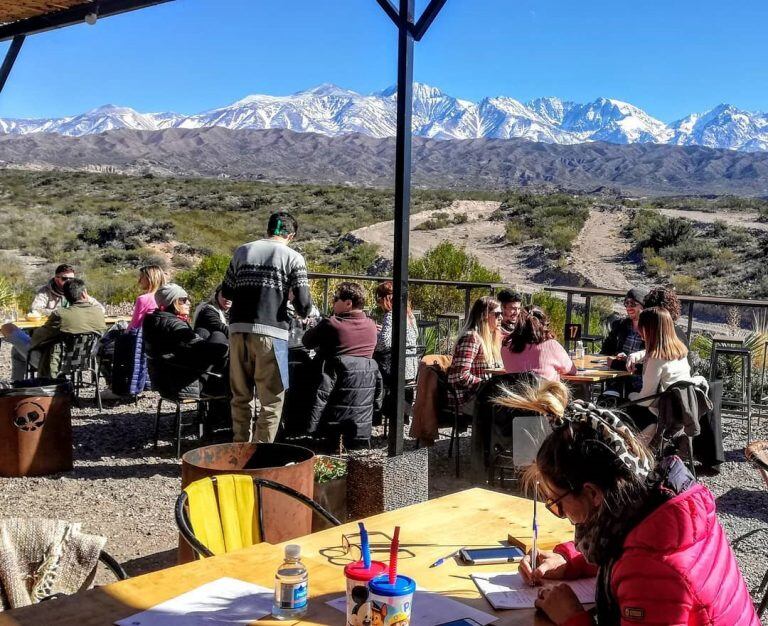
pixel 745 503
pixel 151 562
pixel 119 472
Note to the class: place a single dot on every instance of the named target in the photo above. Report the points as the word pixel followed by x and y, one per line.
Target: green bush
pixel 685 284
pixel 201 281
pixel 514 233
pixel 446 262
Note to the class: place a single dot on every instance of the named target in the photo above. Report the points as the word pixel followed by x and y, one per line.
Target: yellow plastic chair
pixel 223 513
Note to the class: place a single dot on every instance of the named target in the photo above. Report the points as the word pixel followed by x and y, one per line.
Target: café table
pixel 429 531
pixel 29 324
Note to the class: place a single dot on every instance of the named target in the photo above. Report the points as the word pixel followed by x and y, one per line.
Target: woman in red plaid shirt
pixel 477 353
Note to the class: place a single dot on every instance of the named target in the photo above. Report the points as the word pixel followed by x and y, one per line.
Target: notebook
pixel 508 590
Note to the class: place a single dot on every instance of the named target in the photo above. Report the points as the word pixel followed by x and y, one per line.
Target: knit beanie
pixel 166 295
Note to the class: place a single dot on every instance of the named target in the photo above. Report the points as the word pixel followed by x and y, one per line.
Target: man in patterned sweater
pixel 262 277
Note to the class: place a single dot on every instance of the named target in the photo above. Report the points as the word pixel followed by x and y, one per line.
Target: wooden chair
pixel 223 513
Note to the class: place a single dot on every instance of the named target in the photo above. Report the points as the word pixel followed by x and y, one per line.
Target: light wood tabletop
pixel 593 368
pixel 434 529
pixel 26 324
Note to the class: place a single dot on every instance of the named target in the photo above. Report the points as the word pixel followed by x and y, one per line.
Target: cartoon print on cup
pixel 29 416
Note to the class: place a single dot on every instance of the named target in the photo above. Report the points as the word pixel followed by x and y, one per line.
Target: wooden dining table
pixel 593 368
pixel 37 322
pixel 429 531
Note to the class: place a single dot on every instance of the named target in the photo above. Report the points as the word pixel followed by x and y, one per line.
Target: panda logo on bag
pixel 29 416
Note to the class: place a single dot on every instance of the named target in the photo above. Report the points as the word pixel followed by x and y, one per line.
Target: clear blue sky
pixel 670 58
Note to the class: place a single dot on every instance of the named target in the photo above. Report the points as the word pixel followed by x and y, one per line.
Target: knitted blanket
pixel 41 557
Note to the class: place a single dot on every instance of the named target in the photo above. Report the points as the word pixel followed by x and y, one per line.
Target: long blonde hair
pixel 154 275
pixel 478 322
pixel 659 334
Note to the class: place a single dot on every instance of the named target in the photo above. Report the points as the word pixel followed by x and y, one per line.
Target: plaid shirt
pixel 468 368
pixel 632 342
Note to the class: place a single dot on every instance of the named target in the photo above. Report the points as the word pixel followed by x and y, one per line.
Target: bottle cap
pixel 293 551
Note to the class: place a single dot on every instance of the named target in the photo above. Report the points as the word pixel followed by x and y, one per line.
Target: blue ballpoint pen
pixel 443 559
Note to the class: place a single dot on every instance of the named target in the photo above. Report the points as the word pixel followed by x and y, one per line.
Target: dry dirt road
pixel 732 218
pixel 481 237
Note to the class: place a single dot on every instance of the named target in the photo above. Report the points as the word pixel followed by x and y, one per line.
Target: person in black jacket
pixel 349 392
pixel 624 339
pixel 213 314
pixel 179 356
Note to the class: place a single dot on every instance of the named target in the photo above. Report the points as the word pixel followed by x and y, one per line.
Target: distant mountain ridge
pixel 356 159
pixel 333 111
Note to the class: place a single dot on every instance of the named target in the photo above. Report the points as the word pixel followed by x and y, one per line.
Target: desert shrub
pixel 442 220
pixel 201 281
pixel 685 284
pixel 655 265
pixel 447 262
pixel 735 237
pixel 560 237
pixel 126 234
pixel 514 234
pixel 690 250
pixel 723 261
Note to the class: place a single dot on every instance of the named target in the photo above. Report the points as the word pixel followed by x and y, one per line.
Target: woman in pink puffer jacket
pixel 650 534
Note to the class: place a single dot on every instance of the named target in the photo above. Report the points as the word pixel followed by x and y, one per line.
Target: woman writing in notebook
pixel 648 532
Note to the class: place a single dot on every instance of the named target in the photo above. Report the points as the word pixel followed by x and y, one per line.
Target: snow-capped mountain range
pixel 333 111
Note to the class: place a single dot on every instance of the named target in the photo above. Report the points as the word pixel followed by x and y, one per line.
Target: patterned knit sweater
pixel 258 281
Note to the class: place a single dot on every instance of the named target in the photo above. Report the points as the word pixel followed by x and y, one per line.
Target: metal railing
pixel 467 287
pixel 589 292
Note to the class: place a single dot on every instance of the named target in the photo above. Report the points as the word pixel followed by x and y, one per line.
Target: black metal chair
pixel 449 413
pixel 200 402
pixel 185 528
pixel 77 353
pixel 663 437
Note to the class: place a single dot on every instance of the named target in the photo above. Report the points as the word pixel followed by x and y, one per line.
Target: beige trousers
pixel 253 366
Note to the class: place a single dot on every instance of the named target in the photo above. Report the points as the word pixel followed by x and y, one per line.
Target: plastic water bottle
pixel 291 582
pixel 579 350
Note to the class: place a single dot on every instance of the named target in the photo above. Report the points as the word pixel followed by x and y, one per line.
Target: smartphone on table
pixel 484 556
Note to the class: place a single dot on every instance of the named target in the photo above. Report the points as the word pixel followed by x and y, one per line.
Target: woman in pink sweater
pixel 531 347
pixel 151 278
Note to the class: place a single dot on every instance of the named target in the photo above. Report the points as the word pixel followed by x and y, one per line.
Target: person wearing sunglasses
pixel 477 355
pixel 51 295
pixel 532 347
pixel 648 531
pixel 180 355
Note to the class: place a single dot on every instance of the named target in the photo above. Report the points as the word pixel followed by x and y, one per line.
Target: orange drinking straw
pixel 394 548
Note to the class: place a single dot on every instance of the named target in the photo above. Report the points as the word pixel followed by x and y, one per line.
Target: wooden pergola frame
pixel 19 18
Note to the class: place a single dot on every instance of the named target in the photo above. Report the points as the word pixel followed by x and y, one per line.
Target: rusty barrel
pixel 36 428
pixel 284 517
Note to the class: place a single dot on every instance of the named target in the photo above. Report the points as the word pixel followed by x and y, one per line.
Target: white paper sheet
pixel 507 590
pixel 430 609
pixel 223 602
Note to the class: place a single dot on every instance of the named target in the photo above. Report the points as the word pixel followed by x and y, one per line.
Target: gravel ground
pixel 122 488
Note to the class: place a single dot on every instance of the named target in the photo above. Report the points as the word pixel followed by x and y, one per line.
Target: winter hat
pixel 166 295
pixel 638 294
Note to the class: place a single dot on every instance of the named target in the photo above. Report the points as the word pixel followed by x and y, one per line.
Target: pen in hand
pixel 534 551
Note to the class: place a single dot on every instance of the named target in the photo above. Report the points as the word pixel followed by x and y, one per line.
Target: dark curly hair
pixel 663 298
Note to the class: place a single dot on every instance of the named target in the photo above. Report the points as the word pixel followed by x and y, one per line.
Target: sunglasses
pixel 631 303
pixel 498 314
pixel 66 277
pixel 555 507
pixel 183 300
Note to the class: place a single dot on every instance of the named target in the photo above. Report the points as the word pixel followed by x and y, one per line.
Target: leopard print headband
pixel 609 429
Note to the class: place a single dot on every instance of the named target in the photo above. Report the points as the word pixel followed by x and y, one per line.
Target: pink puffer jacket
pixel 677 569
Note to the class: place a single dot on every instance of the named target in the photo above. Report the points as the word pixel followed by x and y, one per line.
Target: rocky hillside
pixel 358 160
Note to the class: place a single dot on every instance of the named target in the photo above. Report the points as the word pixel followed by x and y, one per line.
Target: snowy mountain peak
pixel 332 110
pixel 327 89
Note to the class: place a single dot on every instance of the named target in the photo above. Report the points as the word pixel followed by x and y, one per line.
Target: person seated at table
pixel 213 314
pixel 623 339
pixel 477 355
pixel 511 306
pixel 151 278
pixel 179 354
pixel 81 315
pixel 649 532
pixel 348 331
pixel 383 351
pixel 51 295
pixel 532 347
pixel 665 363
pixel 663 298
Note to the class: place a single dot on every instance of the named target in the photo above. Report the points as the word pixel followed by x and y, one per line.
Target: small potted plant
pixel 331 485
